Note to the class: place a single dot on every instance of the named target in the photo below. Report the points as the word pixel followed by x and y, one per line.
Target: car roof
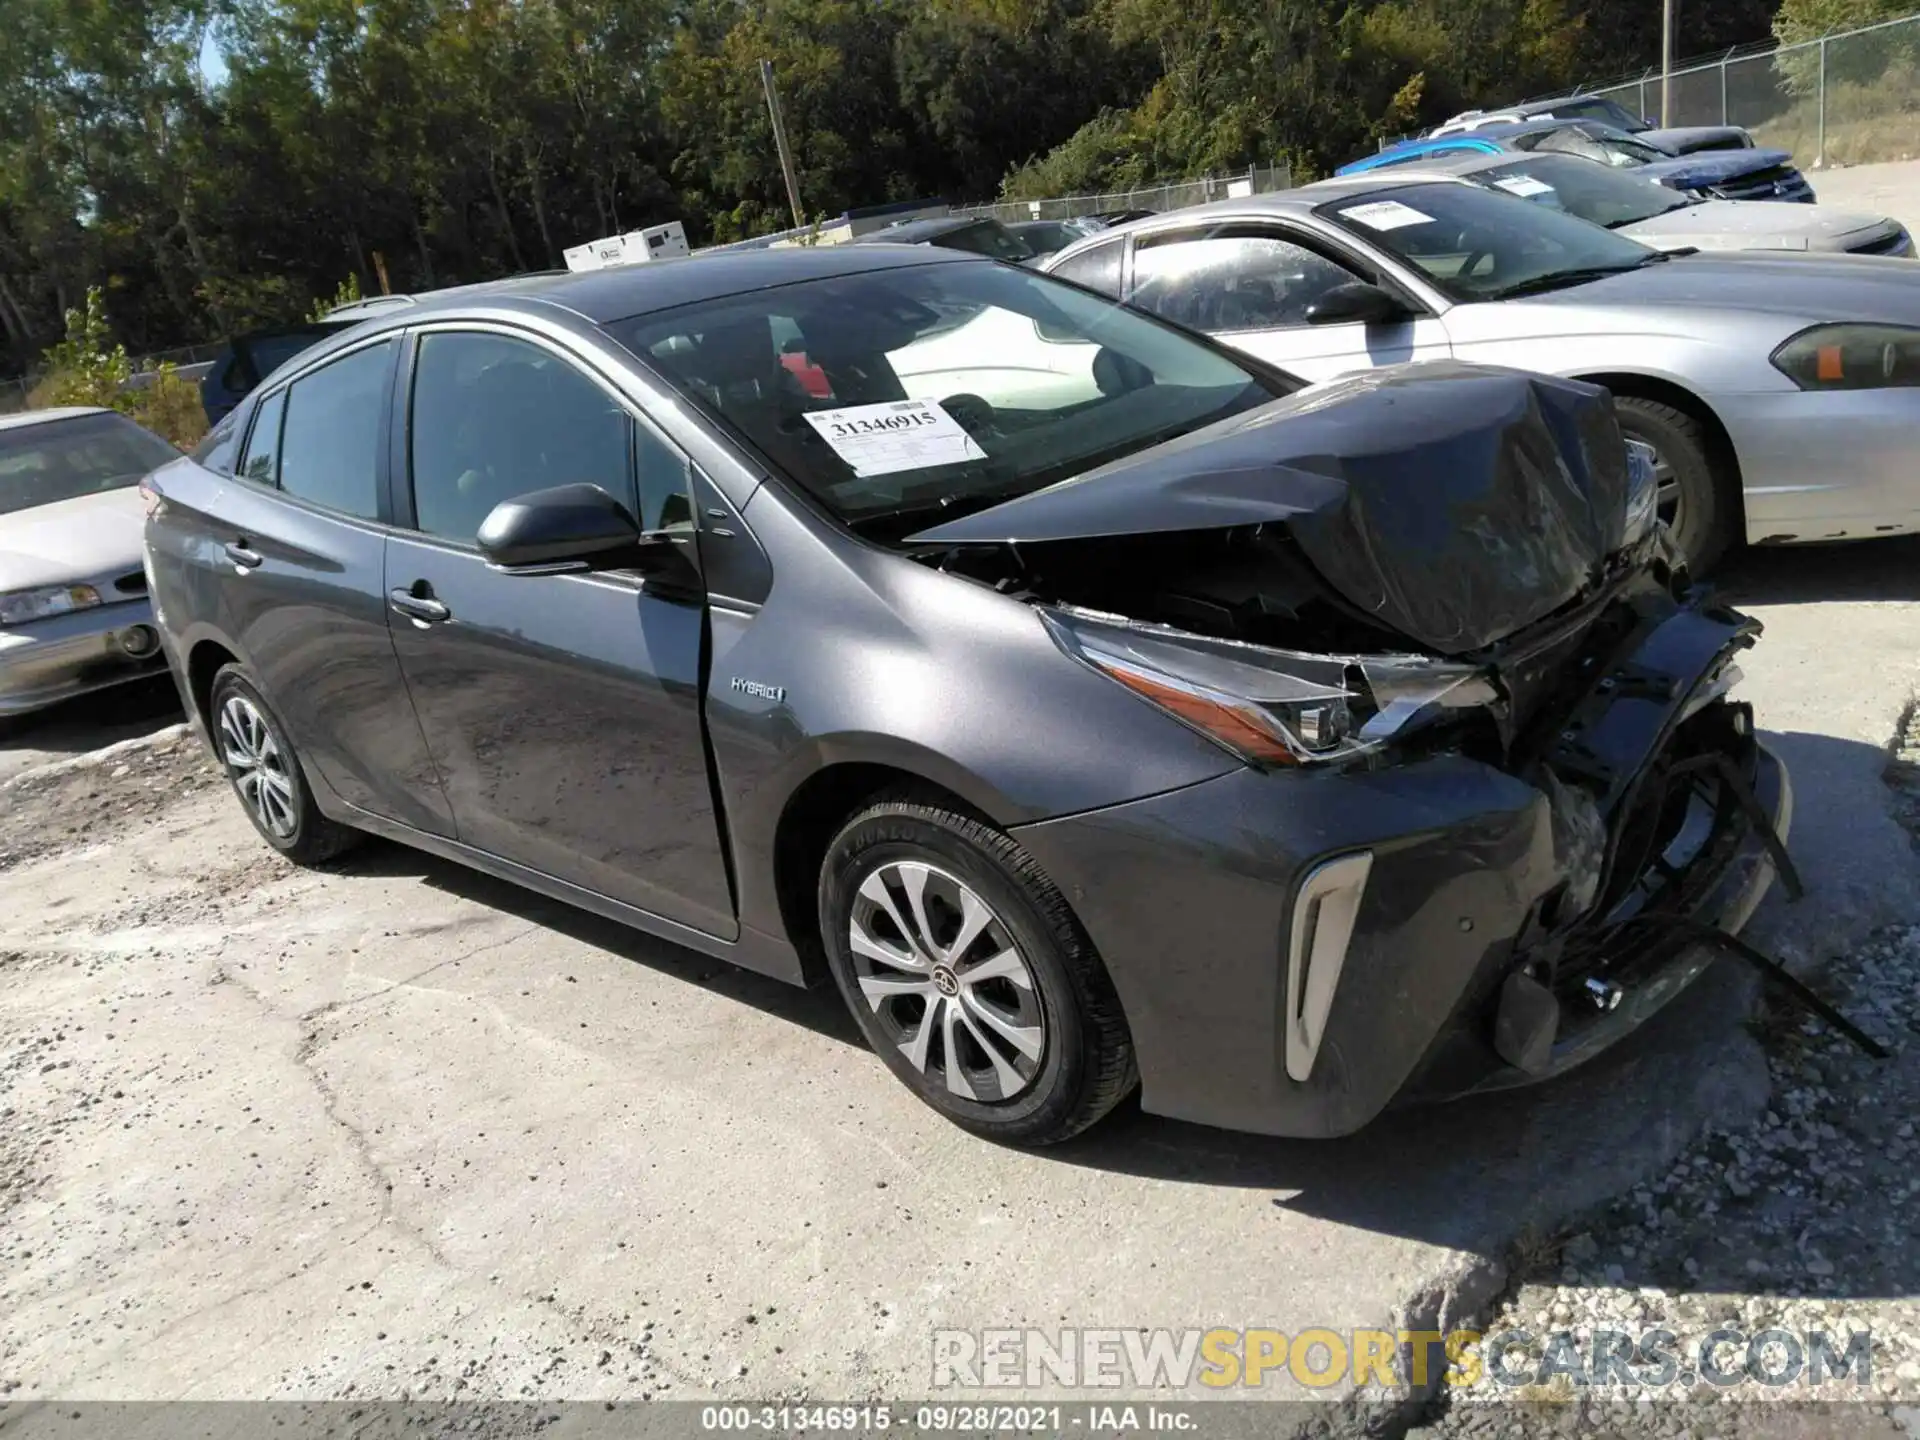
pixel 1460 162
pixel 624 291
pixel 25 418
pixel 919 232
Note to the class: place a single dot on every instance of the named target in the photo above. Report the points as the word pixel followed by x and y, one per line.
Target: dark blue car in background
pixel 1708 175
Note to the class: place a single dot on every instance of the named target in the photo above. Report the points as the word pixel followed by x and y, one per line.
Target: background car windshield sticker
pixel 1384 215
pixel 903 435
pixel 1525 186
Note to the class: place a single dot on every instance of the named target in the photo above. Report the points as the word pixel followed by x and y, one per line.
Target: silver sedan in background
pixel 74 614
pixel 1664 218
pixel 1780 393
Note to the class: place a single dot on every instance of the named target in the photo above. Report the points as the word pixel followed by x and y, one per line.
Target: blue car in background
pixel 1707 175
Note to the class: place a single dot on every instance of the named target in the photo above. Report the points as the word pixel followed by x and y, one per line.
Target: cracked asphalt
pixel 394 1129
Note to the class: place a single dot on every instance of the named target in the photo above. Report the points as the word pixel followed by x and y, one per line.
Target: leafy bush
pixel 346 293
pixel 90 368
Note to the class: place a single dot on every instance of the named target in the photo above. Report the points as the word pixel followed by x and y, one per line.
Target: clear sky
pixel 213 65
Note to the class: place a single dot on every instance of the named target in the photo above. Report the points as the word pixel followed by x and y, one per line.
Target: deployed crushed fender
pixel 1452 503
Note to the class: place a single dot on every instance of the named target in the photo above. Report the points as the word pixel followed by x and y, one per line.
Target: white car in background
pixel 74 614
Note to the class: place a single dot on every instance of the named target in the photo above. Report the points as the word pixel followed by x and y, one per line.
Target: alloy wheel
pixel 1670 497
pixel 258 766
pixel 947 981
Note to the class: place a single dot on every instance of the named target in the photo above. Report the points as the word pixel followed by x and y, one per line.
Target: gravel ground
pixel 1803 1222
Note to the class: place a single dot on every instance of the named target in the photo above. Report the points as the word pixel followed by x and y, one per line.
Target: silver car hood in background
pixel 87 538
pixel 1815 288
pixel 1759 225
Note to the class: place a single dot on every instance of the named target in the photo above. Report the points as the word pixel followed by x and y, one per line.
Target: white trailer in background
pixel 655 242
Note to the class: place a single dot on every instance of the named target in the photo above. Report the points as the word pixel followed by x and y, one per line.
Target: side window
pixel 665 503
pixel 1097 268
pixel 216 448
pixel 330 440
pixel 494 417
pixel 263 442
pixel 1245 281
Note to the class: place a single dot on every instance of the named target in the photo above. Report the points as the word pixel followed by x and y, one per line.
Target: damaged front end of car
pixel 1426 583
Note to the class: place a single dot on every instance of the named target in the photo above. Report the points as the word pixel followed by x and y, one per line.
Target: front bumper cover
pixel 52 660
pixel 1190 897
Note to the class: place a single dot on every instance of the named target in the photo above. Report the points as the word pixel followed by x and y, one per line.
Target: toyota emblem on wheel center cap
pixel 944 981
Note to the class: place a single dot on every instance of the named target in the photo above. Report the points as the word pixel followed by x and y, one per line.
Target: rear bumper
pixel 1191 898
pixel 53 660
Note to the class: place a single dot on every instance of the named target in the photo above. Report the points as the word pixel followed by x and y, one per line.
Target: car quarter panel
pixel 309 621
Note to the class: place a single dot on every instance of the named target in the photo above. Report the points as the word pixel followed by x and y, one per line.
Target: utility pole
pixel 780 140
pixel 1666 63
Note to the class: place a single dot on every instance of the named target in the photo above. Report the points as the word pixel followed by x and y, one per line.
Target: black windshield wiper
pixel 1565 279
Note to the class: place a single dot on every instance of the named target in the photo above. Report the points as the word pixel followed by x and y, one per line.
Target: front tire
pixel 1699 505
pixel 266 774
pixel 969 975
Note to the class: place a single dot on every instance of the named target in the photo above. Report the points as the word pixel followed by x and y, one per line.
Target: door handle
pixel 421 608
pixel 244 559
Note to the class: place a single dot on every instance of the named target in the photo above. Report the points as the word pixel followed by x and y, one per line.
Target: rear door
pixel 1250 283
pixel 298 540
pixel 563 710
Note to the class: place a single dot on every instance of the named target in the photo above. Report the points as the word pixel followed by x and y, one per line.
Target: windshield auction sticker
pixel 1384 215
pixel 1525 186
pixel 901 435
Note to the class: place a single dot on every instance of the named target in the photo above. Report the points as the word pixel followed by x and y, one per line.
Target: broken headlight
pixel 1643 490
pixel 1269 707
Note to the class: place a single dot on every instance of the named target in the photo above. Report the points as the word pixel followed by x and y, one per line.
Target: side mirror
pixel 570 527
pixel 1356 303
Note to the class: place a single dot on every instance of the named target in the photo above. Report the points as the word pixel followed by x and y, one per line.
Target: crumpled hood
pixel 86 538
pixel 1453 503
pixel 1759 225
pixel 1687 139
pixel 1712 167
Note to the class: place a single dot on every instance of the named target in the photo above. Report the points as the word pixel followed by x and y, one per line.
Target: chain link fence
pixel 1843 99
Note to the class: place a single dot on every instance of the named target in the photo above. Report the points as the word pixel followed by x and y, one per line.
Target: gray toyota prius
pixel 1100 708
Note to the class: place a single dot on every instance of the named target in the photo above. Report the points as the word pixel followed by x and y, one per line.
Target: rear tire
pixel 994 1007
pixel 266 774
pixel 1698 503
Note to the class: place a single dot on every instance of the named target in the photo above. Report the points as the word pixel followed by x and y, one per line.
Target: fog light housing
pixel 139 641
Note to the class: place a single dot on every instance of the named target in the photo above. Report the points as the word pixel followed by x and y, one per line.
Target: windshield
pixel 1476 244
pixel 989 238
pixel 1581 188
pixel 56 460
pixel 942 387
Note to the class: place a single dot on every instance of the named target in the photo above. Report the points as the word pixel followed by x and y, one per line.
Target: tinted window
pixel 1097 268
pixel 495 417
pixel 81 455
pixel 263 443
pixel 1229 281
pixel 1477 244
pixel 1597 194
pixel 989 238
pixel 218 446
pixel 1012 380
pixel 330 440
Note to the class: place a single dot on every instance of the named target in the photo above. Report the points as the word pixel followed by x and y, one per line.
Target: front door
pixel 1249 284
pixel 564 711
